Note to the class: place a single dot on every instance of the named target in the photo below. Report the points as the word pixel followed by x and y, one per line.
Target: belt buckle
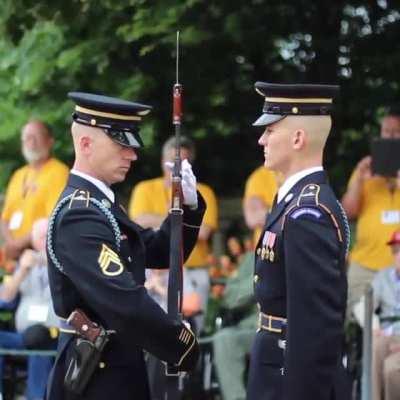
pixel 270 323
pixel 270 328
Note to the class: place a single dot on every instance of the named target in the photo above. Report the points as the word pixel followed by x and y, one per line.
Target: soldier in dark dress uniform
pixel 300 279
pixel 97 257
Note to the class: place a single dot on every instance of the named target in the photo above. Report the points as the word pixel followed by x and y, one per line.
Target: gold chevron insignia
pixel 108 259
pixel 184 336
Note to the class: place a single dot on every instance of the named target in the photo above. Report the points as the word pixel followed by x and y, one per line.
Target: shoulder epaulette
pixel 80 198
pixel 308 204
pixel 309 195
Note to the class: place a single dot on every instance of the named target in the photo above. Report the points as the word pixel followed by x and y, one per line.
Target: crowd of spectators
pixel 30 197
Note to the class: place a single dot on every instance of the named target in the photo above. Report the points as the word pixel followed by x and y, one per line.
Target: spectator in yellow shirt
pixel 33 189
pixel 150 202
pixel 260 189
pixel 375 202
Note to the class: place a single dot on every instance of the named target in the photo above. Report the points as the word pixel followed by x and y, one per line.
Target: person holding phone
pixel 374 202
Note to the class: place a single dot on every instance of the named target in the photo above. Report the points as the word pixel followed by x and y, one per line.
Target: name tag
pixel 38 313
pixel 16 220
pixel 390 217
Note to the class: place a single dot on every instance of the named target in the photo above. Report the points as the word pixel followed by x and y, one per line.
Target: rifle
pixel 175 279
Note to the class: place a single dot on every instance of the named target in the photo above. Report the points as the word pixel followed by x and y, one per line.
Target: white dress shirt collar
pixel 293 179
pixel 98 183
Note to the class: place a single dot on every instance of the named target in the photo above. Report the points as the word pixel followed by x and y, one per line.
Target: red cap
pixel 395 239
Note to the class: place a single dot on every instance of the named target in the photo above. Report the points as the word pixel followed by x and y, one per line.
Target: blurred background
pixel 127 49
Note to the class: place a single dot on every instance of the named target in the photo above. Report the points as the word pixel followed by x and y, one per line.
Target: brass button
pixel 256 278
pixel 258 251
pixel 102 365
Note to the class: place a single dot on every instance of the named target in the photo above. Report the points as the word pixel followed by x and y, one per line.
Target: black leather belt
pixel 270 323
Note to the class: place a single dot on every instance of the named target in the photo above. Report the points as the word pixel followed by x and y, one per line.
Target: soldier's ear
pixel 298 139
pixel 85 143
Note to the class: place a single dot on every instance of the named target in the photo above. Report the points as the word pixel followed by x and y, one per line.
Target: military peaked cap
pixel 118 118
pixel 301 99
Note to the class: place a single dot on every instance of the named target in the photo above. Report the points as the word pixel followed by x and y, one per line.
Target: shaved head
pixel 79 130
pixel 316 128
pixel 84 138
pixel 295 142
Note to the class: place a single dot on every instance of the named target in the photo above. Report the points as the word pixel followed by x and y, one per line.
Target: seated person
pixel 34 315
pixel 232 343
pixel 386 338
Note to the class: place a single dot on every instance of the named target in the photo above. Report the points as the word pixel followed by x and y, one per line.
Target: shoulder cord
pixel 50 244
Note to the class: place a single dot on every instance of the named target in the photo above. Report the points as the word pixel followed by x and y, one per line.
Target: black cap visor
pixel 125 138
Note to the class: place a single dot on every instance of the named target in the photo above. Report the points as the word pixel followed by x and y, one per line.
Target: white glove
pixel 189 183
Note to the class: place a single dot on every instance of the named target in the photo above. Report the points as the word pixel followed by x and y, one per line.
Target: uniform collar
pixel 293 179
pixel 98 183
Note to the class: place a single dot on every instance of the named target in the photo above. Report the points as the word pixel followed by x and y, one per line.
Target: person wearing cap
pixel 374 203
pixel 299 278
pixel 386 339
pixel 97 257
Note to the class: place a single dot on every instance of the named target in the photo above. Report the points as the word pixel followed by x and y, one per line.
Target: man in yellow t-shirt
pixel 260 189
pixel 375 202
pixel 33 189
pixel 150 202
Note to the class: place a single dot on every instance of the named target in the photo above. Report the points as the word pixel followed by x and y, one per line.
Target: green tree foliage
pixel 127 47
